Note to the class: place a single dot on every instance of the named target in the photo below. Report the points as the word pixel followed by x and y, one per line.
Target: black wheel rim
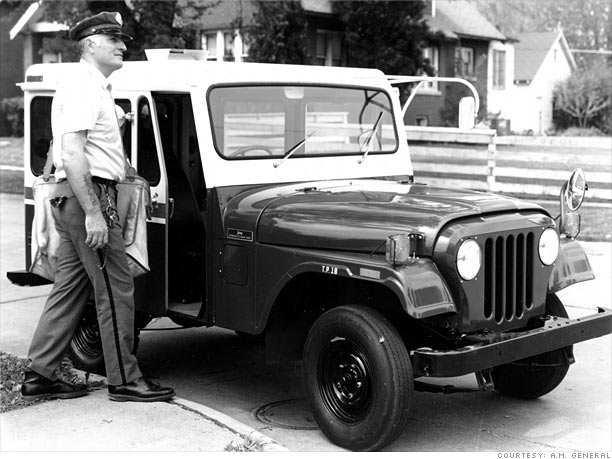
pixel 86 340
pixel 345 381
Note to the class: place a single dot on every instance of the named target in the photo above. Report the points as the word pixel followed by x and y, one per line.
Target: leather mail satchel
pixel 133 201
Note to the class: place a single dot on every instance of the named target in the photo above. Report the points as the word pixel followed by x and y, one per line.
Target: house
pixel 472 48
pixel 541 60
pixel 221 27
pixel 26 40
pixel 12 59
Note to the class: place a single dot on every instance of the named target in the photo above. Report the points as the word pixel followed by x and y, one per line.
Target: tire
pixel 358 378
pixel 522 380
pixel 85 349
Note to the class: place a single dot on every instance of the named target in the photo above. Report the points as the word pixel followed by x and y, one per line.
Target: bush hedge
pixel 11 117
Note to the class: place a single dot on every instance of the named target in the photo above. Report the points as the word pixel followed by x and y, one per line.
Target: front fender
pixel 420 288
pixel 572 266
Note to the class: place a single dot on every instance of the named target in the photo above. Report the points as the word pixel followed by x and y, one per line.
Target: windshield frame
pixel 389 115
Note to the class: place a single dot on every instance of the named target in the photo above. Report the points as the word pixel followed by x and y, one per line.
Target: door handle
pixel 171 205
pixel 154 203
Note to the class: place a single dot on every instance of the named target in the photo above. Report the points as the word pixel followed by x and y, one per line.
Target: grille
pixel 509 265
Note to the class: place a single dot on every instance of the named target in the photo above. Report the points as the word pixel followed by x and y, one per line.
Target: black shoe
pixel 36 386
pixel 141 390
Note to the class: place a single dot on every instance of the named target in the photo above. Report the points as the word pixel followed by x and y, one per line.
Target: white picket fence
pixel 480 160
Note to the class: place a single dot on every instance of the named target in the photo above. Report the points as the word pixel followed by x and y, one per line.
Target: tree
pixel 586 95
pixel 388 35
pixel 278 33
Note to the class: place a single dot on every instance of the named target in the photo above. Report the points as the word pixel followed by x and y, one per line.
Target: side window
pixel 126 127
pixel 180 145
pixel 148 163
pixel 40 132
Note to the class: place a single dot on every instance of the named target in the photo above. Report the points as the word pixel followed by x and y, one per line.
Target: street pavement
pixel 226 392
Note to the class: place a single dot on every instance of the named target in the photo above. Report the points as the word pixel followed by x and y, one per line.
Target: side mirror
pixel 575 188
pixel 467 113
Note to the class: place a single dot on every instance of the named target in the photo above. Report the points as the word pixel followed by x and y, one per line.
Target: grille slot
pixel 508 263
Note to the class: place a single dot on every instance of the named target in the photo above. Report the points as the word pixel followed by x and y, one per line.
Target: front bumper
pixel 495 349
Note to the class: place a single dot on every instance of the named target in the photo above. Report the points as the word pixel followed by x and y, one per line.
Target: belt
pixel 103 181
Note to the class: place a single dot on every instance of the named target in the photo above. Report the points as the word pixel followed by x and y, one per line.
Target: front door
pixel 151 293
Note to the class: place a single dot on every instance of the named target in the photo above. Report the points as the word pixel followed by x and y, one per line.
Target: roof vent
pixel 168 54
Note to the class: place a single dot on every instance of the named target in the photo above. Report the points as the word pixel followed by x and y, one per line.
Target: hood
pixel 354 215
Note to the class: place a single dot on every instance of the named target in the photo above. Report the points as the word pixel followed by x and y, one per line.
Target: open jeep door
pixel 151 290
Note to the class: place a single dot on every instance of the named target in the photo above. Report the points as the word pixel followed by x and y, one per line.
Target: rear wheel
pixel 358 378
pixel 85 350
pixel 538 375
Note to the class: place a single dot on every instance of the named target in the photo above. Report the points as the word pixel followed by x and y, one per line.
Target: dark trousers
pixel 80 268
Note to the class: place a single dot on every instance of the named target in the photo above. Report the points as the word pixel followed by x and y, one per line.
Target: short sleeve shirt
pixel 83 102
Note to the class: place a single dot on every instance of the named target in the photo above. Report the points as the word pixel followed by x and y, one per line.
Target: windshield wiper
pixel 371 136
pixel 293 149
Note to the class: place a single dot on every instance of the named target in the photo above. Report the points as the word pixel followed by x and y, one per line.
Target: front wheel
pixel 358 378
pixel 538 375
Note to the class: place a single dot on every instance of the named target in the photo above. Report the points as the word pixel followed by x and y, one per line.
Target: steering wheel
pixel 244 150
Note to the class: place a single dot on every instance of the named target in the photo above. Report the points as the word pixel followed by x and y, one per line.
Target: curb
pixel 237 427
pixel 266 443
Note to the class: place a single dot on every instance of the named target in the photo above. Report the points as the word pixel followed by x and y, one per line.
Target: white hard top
pixel 179 75
pixel 195 77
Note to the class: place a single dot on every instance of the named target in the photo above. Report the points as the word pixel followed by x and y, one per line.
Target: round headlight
pixel 469 259
pixel 548 247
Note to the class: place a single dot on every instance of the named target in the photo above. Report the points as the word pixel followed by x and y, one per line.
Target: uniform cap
pixel 102 23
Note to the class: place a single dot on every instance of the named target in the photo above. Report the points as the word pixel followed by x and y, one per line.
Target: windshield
pixel 269 121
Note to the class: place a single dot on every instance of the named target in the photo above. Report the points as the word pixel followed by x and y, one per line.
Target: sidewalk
pixel 94 423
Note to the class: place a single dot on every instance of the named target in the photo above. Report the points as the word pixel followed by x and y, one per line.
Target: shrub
pixel 11 112
pixel 585 99
pixel 580 132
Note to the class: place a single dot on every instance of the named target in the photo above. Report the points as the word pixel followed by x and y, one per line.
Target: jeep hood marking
pixel 357 215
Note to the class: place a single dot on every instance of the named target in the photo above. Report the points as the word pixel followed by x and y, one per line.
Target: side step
pixel 25 278
pixel 186 314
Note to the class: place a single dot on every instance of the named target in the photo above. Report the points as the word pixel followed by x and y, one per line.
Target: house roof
pixel 459 18
pixel 532 48
pixel 31 20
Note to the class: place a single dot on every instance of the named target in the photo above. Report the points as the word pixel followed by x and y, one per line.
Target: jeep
pixel 284 206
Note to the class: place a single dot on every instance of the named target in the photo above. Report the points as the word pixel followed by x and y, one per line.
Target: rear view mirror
pixel 572 195
pixel 575 189
pixel 467 113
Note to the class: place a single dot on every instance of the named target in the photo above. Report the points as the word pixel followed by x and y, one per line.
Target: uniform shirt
pixel 83 102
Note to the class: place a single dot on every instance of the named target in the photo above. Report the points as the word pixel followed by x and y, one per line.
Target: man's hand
pixel 77 173
pixel 130 172
pixel 97 230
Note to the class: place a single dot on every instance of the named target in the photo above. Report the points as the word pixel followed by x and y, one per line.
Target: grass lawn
pixel 596 221
pixel 11 154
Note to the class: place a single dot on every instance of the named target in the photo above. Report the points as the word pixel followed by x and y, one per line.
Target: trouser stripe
pixel 113 316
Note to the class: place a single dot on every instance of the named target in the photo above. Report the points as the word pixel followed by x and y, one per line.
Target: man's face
pixel 109 51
